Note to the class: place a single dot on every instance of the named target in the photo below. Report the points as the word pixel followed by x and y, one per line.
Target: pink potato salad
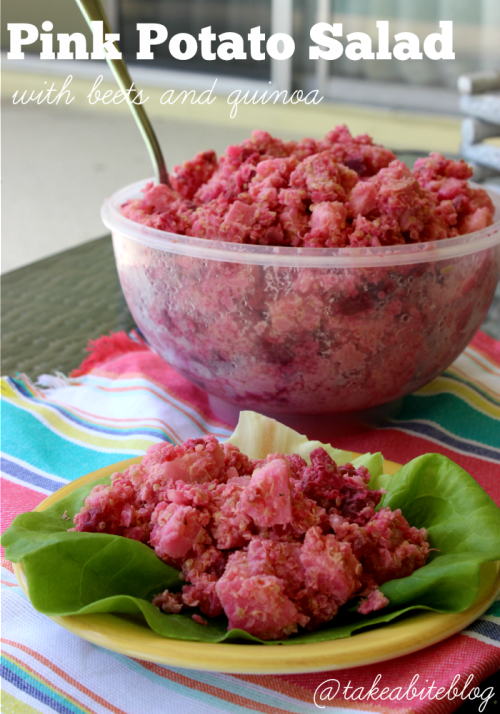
pixel 255 324
pixel 330 193
pixel 276 544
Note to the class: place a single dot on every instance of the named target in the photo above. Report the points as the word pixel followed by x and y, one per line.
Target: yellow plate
pixel 411 633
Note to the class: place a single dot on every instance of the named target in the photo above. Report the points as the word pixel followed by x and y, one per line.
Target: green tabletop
pixel 52 308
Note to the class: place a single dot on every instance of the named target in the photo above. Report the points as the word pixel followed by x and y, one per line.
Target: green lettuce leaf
pixel 82 573
pixel 74 572
pixel 373 462
pixel 30 531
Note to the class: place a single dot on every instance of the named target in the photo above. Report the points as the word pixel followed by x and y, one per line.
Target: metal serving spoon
pixel 93 11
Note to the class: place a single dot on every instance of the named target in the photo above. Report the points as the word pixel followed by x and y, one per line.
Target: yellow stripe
pixel 479 383
pixel 58 425
pixel 11 705
pixel 464 391
pixel 44 682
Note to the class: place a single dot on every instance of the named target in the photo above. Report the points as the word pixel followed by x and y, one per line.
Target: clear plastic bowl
pixel 304 330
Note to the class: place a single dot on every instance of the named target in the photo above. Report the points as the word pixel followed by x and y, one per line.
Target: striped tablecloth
pixel 126 398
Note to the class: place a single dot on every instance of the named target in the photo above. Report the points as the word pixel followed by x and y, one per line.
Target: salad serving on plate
pixel 292 544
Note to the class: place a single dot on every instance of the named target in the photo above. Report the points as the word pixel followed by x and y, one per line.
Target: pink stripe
pixel 151 366
pixel 439 664
pixel 401 448
pixel 16 499
pixel 487 345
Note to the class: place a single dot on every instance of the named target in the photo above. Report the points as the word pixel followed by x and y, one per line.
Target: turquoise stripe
pixel 25 437
pixel 184 691
pixel 9 577
pixel 237 687
pixel 85 424
pixel 140 392
pixel 244 689
pixel 15 592
pixel 59 703
pixel 453 414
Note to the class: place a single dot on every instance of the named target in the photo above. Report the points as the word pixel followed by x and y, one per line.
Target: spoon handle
pixel 93 11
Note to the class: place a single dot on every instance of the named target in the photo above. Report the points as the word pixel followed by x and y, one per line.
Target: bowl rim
pixel 286 256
